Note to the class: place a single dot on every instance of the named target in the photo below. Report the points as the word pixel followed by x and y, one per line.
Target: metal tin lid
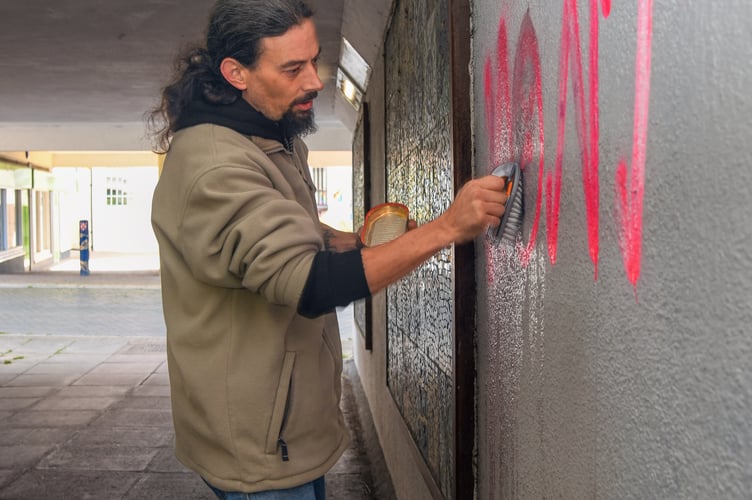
pixel 384 223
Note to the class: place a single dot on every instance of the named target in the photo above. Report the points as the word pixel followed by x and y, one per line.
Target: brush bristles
pixel 513 220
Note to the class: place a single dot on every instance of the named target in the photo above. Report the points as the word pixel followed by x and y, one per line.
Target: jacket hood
pixel 239 116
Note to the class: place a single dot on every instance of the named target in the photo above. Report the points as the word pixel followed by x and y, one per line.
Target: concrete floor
pixel 84 403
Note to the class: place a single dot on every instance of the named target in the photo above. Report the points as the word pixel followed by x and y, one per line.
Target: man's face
pixel 285 80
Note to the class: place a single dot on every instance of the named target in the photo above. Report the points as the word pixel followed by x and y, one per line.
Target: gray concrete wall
pixel 614 340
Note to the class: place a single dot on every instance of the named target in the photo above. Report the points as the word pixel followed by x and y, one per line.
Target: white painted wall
pixel 123 228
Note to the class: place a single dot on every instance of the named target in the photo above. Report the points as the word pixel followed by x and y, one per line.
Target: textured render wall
pixel 615 339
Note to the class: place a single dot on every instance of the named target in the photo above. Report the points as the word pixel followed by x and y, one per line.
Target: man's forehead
pixel 300 42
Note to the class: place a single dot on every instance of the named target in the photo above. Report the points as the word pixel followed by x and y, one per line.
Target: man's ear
pixel 234 72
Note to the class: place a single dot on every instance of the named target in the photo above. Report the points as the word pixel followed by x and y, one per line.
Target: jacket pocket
pixel 281 405
pixel 333 343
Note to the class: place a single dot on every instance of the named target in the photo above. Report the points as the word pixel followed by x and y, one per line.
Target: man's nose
pixel 312 82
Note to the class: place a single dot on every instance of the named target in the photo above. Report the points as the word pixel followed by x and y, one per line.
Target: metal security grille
pixel 419 173
pixel 319 180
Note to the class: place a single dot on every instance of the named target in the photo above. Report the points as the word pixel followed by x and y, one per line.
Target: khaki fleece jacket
pixel 255 386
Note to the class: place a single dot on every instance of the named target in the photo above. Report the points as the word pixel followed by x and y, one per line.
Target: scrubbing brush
pixel 511 221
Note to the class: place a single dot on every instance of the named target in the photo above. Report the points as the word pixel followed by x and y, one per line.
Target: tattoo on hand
pixel 338 241
pixel 328 236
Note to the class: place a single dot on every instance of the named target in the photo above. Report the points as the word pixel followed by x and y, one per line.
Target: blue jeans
pixel 315 490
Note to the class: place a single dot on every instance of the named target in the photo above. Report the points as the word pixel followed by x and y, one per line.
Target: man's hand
pixel 479 204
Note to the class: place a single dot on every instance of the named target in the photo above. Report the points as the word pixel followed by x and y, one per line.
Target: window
pixel 4 223
pixel 117 194
pixel 43 222
pixel 10 218
pixel 319 180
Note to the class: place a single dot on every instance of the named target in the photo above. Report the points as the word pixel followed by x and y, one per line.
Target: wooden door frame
pixel 464 255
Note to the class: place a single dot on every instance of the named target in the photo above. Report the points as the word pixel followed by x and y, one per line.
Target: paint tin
pixel 383 223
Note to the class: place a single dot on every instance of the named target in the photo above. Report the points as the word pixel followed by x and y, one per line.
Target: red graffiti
pixel 527 105
pixel 630 203
pixel 586 120
pixel 515 122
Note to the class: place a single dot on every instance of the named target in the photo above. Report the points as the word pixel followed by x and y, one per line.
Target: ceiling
pixel 80 74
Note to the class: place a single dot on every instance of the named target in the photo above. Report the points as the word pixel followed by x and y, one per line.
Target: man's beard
pixel 299 124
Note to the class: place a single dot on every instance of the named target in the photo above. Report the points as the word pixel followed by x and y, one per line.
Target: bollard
pixel 83 237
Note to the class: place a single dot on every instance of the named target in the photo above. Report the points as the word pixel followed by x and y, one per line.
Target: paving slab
pixel 51 366
pixel 57 403
pixel 46 419
pixel 42 380
pixel 69 358
pixel 27 392
pixel 165 461
pixel 102 458
pixel 87 391
pixel 152 390
pixel 157 437
pixel 22 455
pixel 111 377
pixel 158 379
pixel 144 403
pixel 19 436
pixel 10 404
pixel 6 476
pixel 69 485
pixel 136 418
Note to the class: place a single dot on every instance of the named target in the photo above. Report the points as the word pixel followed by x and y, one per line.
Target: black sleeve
pixel 336 279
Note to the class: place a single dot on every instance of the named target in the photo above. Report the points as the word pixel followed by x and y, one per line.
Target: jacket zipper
pixel 281 439
pixel 283 446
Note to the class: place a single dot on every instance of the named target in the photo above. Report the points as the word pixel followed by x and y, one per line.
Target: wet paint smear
pixel 520 110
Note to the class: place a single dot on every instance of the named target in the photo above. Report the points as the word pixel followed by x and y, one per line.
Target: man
pixel 250 277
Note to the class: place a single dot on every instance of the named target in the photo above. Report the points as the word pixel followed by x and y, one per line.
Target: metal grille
pixel 319 180
pixel 420 307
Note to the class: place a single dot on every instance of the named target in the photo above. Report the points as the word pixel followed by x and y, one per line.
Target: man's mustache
pixel 310 96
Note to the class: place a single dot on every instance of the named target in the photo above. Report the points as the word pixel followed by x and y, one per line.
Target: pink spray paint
pixel 521 110
pixel 586 122
pixel 527 106
pixel 629 202
pixel 498 102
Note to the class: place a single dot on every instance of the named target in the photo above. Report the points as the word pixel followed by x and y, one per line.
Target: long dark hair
pixel 235 29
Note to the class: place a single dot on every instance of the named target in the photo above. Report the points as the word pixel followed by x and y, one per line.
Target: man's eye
pixel 293 71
